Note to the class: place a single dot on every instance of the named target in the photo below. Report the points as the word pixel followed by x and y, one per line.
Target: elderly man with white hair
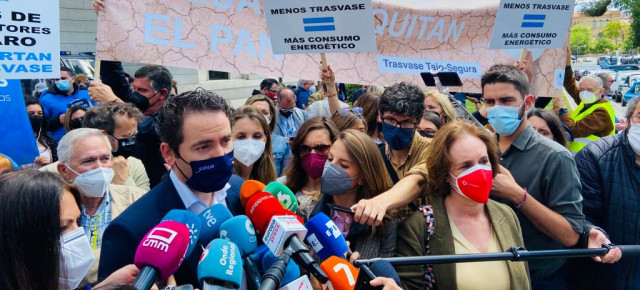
pixel 85 160
pixel 594 117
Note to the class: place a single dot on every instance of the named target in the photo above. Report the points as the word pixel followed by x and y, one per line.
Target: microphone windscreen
pixel 163 248
pixel 240 231
pixel 260 208
pixel 221 260
pixel 325 237
pixel 341 274
pixel 293 270
pixel 383 268
pixel 249 188
pixel 212 218
pixel 188 219
pixel 258 254
pixel 283 194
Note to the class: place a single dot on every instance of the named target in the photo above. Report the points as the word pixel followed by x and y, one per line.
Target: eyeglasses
pixel 321 149
pixel 355 110
pixel 407 124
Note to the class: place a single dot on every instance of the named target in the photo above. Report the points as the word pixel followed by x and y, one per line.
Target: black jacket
pixel 122 236
pixel 611 200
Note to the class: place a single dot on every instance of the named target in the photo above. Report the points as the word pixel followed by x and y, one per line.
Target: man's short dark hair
pixel 403 99
pixel 502 73
pixel 169 126
pixel 103 117
pixel 70 71
pixel 267 83
pixel 158 75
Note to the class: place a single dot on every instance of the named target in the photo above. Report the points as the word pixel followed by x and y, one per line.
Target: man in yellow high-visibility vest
pixel 593 118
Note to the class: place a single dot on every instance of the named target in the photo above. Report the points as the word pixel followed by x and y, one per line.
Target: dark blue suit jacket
pixel 122 236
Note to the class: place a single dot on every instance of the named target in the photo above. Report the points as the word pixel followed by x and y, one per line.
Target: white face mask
pixel 267 118
pixel 614 87
pixel 76 259
pixel 248 151
pixel 95 182
pixel 634 138
pixel 588 97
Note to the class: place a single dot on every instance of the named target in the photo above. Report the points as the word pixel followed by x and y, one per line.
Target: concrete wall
pixel 78 25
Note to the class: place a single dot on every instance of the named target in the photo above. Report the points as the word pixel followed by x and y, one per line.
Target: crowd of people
pixel 396 170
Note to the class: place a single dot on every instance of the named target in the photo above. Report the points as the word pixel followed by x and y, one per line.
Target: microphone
pixel 291 273
pixel 248 189
pixel 324 237
pixel 380 268
pixel 342 275
pixel 283 194
pixel 220 266
pixel 301 283
pixel 285 230
pixel 212 218
pixel 160 253
pixel 240 231
pixel 192 222
pixel 268 204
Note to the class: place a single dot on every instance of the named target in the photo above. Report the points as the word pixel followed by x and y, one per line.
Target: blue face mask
pixel 504 119
pixel 397 138
pixel 63 85
pixel 210 175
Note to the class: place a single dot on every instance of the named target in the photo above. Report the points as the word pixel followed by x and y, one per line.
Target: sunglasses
pixel 321 149
pixel 355 110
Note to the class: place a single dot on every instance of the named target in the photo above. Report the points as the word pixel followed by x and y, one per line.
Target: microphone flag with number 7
pixel 342 275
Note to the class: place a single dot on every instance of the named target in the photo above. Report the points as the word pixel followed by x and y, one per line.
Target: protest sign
pixel 29 39
pixel 320 26
pixel 18 140
pixel 232 36
pixel 523 24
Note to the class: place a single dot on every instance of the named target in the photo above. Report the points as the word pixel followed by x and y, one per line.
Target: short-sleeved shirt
pixel 417 155
pixel 549 173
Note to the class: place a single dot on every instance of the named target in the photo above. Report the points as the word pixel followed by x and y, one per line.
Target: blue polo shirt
pixel 54 104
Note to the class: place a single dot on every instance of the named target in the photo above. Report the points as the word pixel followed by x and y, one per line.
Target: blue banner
pixel 16 135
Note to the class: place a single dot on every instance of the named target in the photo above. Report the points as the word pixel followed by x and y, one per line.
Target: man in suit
pixel 196 143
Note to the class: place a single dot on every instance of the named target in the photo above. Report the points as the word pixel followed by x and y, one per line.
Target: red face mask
pixel 271 95
pixel 474 183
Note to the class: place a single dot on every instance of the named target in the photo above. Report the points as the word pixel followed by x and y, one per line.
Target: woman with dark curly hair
pixel 461 219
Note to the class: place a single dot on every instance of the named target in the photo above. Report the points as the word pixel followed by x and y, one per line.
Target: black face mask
pixel 286 112
pixel 75 124
pixel 125 147
pixel 140 101
pixel 36 122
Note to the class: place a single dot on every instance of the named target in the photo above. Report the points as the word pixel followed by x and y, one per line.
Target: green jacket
pixel 412 236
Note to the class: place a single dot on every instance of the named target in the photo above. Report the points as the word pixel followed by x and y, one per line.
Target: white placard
pixel 523 24
pixel 314 26
pixel 29 39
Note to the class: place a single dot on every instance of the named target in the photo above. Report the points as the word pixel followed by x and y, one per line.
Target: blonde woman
pixel 252 145
pixel 438 103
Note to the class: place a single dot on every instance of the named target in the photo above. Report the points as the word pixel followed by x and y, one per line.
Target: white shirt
pixel 191 202
pixel 321 108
